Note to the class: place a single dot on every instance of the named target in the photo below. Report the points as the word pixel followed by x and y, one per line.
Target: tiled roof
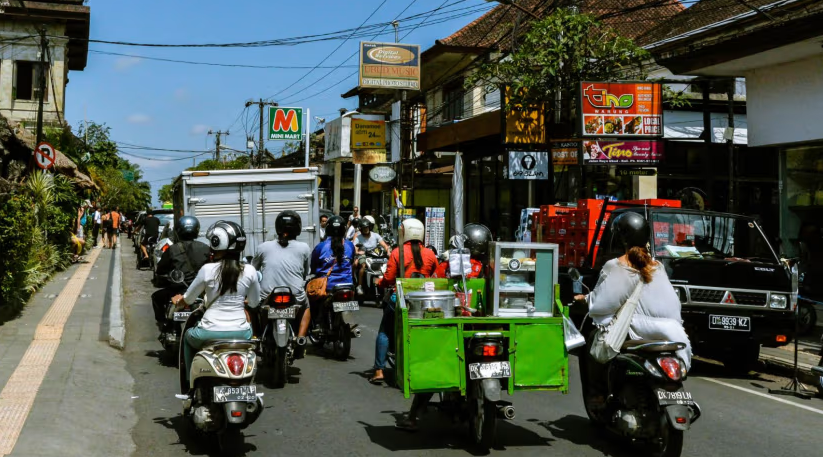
pixel 630 18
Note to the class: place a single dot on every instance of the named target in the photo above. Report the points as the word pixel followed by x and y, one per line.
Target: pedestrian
pixel 106 218
pixel 78 238
pixel 97 222
pixel 355 214
pixel 323 220
pixel 115 226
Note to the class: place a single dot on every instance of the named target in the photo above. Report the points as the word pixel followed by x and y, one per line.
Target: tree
pixel 164 194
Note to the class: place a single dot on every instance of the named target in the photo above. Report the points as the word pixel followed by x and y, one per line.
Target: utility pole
pixel 217 135
pixel 44 42
pixel 260 105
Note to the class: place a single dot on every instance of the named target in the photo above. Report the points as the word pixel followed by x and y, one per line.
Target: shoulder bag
pixel 316 288
pixel 610 338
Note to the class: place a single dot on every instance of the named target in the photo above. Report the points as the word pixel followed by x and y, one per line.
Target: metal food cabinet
pixel 523 280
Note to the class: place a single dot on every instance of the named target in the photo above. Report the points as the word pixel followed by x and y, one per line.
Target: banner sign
pixel 285 123
pixel 389 65
pixel 523 125
pixel 368 156
pixel 528 165
pixel 615 152
pixel 621 109
pixel 367 134
pixel 566 152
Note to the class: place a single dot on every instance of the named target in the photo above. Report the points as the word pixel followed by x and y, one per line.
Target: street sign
pixel 285 123
pixel 366 134
pixel 128 175
pixel 44 155
pixel 382 174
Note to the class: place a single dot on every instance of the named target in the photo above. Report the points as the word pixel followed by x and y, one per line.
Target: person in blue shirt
pixel 335 253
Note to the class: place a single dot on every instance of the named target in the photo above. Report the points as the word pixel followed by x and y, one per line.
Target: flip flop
pixel 406 425
pixel 376 381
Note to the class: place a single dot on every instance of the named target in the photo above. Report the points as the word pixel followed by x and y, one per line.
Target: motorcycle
pixel 278 341
pixel 376 262
pixel 171 333
pixel 141 262
pixel 644 398
pixel 335 322
pixel 385 230
pixel 220 397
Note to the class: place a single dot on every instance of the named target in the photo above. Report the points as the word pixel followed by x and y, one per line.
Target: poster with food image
pixel 621 109
pixel 633 125
pixel 613 125
pixel 594 125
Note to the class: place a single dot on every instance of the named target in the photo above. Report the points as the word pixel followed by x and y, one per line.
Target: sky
pixel 172 105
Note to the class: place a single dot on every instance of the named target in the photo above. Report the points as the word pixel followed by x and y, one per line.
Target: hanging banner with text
pixel 615 152
pixel 367 134
pixel 621 109
pixel 566 152
pixel 528 165
pixel 390 65
pixel 285 123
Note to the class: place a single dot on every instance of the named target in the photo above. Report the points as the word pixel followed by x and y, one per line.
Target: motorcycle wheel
pixel 671 443
pixel 342 344
pixel 806 318
pixel 280 368
pixel 482 422
pixel 231 441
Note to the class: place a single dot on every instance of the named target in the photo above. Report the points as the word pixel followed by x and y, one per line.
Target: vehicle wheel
pixel 806 318
pixel 280 368
pixel 482 422
pixel 742 359
pixel 342 345
pixel 231 441
pixel 671 441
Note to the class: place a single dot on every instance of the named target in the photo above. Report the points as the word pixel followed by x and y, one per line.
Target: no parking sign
pixel 44 155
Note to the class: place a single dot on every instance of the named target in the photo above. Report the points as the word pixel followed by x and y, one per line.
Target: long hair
pixel 641 261
pixel 416 253
pixel 338 248
pixel 229 272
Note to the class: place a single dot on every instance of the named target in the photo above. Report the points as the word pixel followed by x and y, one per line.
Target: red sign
pixel 631 152
pixel 621 109
pixel 44 155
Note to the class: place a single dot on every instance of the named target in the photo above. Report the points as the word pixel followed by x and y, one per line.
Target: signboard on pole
pixel 44 155
pixel 285 123
pixel 366 134
pixel 616 152
pixel 528 165
pixel 523 125
pixel 382 174
pixel 565 152
pixel 389 65
pixel 621 109
pixel 368 156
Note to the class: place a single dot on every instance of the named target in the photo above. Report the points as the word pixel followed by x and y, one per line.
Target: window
pixel 27 81
pixel 453 101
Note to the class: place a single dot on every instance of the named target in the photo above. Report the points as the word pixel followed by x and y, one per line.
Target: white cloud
pixel 181 94
pixel 138 118
pixel 198 129
pixel 124 63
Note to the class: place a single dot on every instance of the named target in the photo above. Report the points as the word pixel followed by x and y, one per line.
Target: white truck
pixel 251 198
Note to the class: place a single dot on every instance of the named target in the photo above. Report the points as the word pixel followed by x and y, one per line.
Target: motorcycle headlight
pixel 778 301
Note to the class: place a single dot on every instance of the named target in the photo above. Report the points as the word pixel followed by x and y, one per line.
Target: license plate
pixel 733 323
pixel 181 316
pixel 345 306
pixel 282 313
pixel 225 394
pixel 489 370
pixel 674 398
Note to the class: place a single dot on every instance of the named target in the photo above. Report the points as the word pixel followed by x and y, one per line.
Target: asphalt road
pixel 328 408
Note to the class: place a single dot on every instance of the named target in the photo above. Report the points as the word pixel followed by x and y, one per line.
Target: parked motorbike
pixel 385 230
pixel 376 261
pixel 643 396
pixel 278 340
pixel 335 322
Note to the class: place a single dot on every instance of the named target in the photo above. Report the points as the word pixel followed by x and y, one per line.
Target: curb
pixel 117 325
pixel 776 365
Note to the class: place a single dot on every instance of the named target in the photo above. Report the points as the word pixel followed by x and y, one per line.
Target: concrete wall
pixel 26 47
pixel 785 102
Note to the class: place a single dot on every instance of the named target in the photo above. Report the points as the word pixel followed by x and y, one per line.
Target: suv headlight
pixel 778 301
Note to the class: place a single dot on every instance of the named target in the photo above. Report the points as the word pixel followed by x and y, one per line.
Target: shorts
pixel 360 259
pixel 111 230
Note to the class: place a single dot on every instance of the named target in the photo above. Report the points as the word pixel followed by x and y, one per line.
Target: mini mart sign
pixel 285 123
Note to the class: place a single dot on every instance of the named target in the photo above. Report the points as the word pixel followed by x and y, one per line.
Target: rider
pixel 334 254
pixel 475 238
pixel 151 230
pixel 351 232
pixel 365 242
pixel 285 262
pixel 419 261
pixel 188 256
pixel 658 311
pixel 227 283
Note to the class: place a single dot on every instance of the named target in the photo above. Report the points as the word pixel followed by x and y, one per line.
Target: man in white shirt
pixel 364 242
pixel 97 223
pixel 354 215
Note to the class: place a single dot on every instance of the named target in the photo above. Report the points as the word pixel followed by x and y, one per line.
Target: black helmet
pixel 477 239
pixel 364 223
pixel 226 236
pixel 187 228
pixel 336 226
pixel 631 229
pixel 288 222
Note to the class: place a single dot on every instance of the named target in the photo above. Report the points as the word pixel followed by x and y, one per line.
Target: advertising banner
pixel 285 123
pixel 368 156
pixel 616 152
pixel 366 134
pixel 523 125
pixel 528 165
pixel 565 153
pixel 389 65
pixel 621 109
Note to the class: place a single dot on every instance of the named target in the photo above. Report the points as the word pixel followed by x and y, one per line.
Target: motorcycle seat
pixel 221 345
pixel 340 287
pixel 651 346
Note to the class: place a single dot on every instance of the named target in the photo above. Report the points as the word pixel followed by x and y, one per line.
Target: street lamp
pixel 512 3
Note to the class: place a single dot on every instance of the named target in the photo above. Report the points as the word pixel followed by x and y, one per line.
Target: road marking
pixel 761 394
pixel 17 397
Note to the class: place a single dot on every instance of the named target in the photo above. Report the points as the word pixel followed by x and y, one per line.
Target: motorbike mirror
pixel 575 275
pixel 177 276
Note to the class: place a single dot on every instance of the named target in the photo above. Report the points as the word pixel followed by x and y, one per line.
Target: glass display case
pixel 524 278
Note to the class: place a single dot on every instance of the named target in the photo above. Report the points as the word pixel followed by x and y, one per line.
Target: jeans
pixel 197 336
pixel 384 335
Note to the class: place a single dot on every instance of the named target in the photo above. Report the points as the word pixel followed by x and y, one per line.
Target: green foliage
pixel 558 52
pixel 675 99
pixel 165 193
pixel 117 192
pixel 237 163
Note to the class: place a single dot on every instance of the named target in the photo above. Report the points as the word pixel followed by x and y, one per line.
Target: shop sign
pixel 528 165
pixel 566 153
pixel 285 123
pixel 382 174
pixel 389 65
pixel 368 156
pixel 616 152
pixel 523 125
pixel 621 109
pixel 637 172
pixel 366 134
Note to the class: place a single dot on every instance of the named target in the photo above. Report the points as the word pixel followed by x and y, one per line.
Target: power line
pixel 158 159
pixel 213 64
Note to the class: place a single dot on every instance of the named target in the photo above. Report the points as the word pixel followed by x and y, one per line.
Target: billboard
pixel 565 152
pixel 622 152
pixel 389 65
pixel 528 165
pixel 523 125
pixel 285 123
pixel 367 134
pixel 621 109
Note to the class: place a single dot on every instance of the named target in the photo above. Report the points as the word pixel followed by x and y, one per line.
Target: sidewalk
pixel 781 359
pixel 64 389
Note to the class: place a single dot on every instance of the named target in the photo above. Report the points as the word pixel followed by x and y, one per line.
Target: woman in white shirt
pixel 227 284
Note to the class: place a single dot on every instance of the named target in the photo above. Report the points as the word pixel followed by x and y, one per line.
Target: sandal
pixel 376 381
pixel 406 425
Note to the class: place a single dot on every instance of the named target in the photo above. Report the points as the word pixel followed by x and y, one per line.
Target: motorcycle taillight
pixel 344 295
pixel 235 363
pixel 488 349
pixel 281 300
pixel 671 366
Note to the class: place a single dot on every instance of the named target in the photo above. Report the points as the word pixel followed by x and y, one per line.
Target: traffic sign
pixel 44 155
pixel 128 175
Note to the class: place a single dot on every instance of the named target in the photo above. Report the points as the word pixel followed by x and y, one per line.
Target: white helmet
pixel 371 219
pixel 412 229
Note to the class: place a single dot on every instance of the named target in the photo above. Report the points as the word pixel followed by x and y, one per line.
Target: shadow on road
pixel 579 430
pixel 163 358
pixel 195 443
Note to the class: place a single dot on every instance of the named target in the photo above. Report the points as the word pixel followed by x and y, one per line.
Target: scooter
pixel 149 262
pixel 335 322
pixel 278 341
pixel 643 396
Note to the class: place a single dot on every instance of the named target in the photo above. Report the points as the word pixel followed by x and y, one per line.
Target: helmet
pixel 336 226
pixel 226 236
pixel 371 219
pixel 355 222
pixel 631 229
pixel 457 241
pixel 365 223
pixel 187 228
pixel 412 229
pixel 288 222
pixel 477 238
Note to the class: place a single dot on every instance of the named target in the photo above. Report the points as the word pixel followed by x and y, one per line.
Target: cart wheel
pixel 482 422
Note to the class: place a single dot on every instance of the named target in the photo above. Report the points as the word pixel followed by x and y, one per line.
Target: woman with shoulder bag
pixel 331 263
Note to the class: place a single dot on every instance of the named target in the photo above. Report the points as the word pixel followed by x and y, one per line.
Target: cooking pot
pixel 419 302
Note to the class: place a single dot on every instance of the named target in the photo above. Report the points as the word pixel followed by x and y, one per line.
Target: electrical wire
pixel 159 159
pixel 213 64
